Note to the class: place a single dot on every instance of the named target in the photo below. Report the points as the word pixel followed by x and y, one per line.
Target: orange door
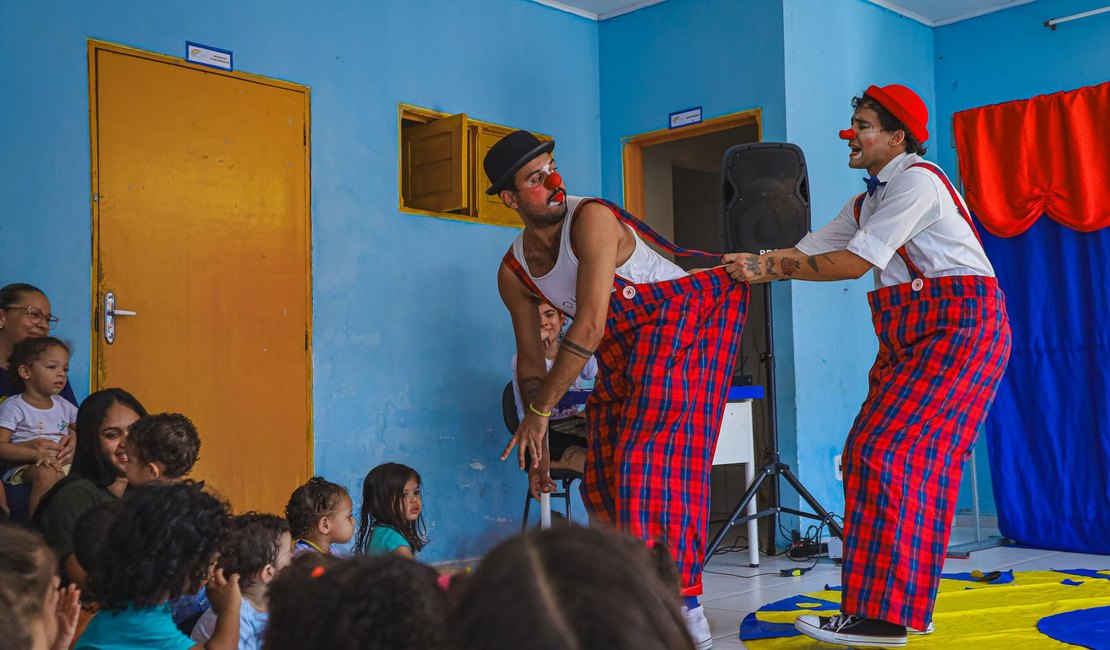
pixel 200 227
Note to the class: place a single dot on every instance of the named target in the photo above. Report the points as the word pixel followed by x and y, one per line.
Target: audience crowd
pixel 105 542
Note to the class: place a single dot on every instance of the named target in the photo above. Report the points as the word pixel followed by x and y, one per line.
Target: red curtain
pixel 1045 155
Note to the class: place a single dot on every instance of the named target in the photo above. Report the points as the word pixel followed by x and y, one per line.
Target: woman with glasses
pixel 24 313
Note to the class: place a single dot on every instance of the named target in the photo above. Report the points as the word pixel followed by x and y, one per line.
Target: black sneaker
pixel 852 631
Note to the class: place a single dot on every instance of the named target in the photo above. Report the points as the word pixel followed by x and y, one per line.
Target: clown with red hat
pixel 944 340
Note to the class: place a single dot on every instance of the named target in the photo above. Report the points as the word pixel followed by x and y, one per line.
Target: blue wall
pixel 411 343
pixel 833 52
pixel 1005 56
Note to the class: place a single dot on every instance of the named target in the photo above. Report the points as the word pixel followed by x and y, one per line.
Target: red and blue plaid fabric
pixel 664 368
pixel 942 352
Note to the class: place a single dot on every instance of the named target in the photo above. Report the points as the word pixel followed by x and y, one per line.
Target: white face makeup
pixel 540 205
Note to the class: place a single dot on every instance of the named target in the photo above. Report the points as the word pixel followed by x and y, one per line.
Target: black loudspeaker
pixel 766 196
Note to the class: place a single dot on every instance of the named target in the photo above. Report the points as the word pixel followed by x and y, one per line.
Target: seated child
pixel 391 520
pixel 257 548
pixel 361 602
pixel 36 426
pixel 526 593
pixel 34 612
pixel 320 513
pixel 164 447
pixel 161 447
pixel 566 425
pixel 162 543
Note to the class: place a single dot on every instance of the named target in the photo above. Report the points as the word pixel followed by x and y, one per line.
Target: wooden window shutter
pixel 434 165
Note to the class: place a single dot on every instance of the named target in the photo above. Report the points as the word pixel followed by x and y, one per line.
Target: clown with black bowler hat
pixel 944 340
pixel 666 345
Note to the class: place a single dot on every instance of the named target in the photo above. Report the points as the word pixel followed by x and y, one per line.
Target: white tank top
pixel 559 285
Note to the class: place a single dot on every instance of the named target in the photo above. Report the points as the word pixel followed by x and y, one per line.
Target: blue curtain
pixel 1048 434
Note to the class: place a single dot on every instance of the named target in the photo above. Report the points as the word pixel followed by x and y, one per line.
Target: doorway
pixel 201 248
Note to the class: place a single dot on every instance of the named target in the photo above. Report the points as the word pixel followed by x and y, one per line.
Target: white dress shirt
pixel 913 209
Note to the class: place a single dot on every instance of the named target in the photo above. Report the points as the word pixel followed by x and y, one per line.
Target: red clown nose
pixel 553 181
pixel 847 134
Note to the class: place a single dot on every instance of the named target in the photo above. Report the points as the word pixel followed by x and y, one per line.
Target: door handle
pixel 110 313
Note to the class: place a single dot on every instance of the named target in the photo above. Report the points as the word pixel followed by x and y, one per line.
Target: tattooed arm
pixel 792 264
pixel 530 364
pixel 598 236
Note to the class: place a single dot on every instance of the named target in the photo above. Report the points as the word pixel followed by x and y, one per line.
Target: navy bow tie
pixel 873 183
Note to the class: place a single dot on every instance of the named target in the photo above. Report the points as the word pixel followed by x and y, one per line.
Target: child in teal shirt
pixel 391 519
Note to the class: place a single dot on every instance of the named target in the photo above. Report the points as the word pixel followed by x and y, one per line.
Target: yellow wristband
pixel 538 412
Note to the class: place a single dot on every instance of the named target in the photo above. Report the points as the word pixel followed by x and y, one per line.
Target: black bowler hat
pixel 510 154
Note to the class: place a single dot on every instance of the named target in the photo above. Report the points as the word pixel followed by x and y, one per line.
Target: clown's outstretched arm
pixel 793 264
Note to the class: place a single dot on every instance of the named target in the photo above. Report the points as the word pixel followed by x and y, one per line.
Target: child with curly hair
pixel 391 520
pixel 361 602
pixel 320 513
pixel 164 447
pixel 257 547
pixel 162 543
pixel 36 445
pixel 161 447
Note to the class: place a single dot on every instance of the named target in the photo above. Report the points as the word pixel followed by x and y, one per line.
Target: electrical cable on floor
pixel 734 547
pixel 737 575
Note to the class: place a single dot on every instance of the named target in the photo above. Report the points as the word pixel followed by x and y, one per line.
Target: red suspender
pixel 955 196
pixel 624 217
pixel 515 266
pixel 902 252
pixel 647 232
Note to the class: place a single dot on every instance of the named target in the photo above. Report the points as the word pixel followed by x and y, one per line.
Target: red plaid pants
pixel 942 352
pixel 665 365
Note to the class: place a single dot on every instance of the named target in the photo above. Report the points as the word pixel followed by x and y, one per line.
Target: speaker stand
pixel 775 468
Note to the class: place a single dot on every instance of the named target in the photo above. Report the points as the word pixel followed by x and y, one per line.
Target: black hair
pixel 27 352
pixel 888 122
pixel 571 588
pixel 159 546
pixel 26 574
pixel 315 499
pixel 362 602
pixel 14 292
pixel 167 438
pixel 89 532
pixel 89 462
pixel 382 495
pixel 253 541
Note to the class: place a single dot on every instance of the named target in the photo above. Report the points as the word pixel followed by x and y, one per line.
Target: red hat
pixel 904 104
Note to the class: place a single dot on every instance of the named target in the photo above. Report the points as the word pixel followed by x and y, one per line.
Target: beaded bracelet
pixel 538 412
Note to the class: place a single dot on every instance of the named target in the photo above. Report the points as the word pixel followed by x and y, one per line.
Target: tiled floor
pixel 728 598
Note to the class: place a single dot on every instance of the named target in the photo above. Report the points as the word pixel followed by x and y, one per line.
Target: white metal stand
pixel 545 498
pixel 964 551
